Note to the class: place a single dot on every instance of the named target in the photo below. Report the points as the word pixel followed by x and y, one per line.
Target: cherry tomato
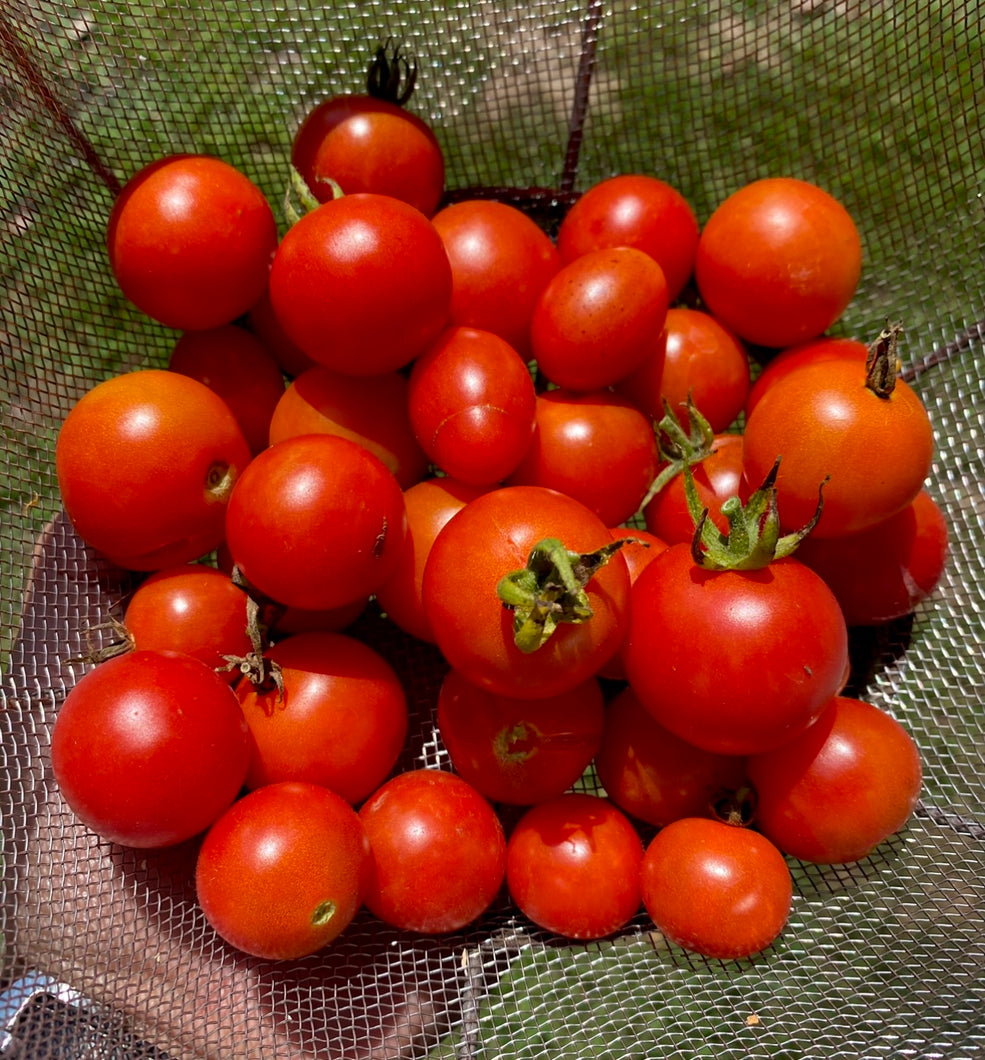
pixel 841 788
pixel 190 241
pixel 573 866
pixel 149 748
pixel 519 751
pixel 734 661
pixel 282 873
pixel 634 210
pixel 778 367
pixel 471 402
pixel 316 522
pixel 146 462
pixel 596 447
pixel 716 889
pixel 362 284
pixel 370 410
pixel 263 322
pixel 500 263
pixel 778 261
pixel 438 852
pixel 599 318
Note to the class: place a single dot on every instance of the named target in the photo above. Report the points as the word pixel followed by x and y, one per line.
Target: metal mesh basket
pixel 881 103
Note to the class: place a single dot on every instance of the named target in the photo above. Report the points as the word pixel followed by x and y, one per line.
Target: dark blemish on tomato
pixel 380 541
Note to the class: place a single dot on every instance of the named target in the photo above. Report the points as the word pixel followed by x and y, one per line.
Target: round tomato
pixel 190 241
pixel 149 748
pixel 838 790
pixel 282 872
pixel 438 852
pixel 263 322
pixel 316 522
pixel 778 261
pixel 786 361
pixel 146 462
pixel 519 751
pixel 573 866
pixel 337 717
pixel 362 284
pixel 716 889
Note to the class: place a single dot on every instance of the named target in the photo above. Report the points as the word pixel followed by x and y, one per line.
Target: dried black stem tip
pixel 391 76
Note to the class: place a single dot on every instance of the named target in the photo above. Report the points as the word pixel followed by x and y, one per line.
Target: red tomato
pixel 786 361
pixel 240 369
pixel 778 261
pixel 316 522
pixel 573 865
pixel 429 505
pixel 519 751
pixel 339 721
pixel 439 852
pixel 634 210
pixel 841 788
pixel 146 462
pixel 599 318
pixel 596 447
pixel 282 873
pixel 149 748
pixel 734 661
pixel 471 402
pixel 190 241
pixel 370 410
pixel 500 263
pixel 263 323
pixel 492 536
pixel 716 889
pixel 362 284
pixel 655 776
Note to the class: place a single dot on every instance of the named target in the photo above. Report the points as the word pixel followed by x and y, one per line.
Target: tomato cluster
pixel 546 457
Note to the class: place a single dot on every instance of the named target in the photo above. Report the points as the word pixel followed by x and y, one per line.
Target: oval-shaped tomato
pixel 519 751
pixel 573 866
pixel 438 852
pixel 734 661
pixel 149 748
pixel 491 537
pixel 841 788
pixel 282 872
pixel 786 361
pixel 146 462
pixel 716 889
pixel 778 261
pixel 190 241
pixel 316 522
pixel 337 717
pixel 362 284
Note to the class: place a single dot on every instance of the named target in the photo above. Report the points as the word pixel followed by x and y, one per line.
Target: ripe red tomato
pixel 573 866
pixel 778 261
pixel 471 401
pixel 596 447
pixel 599 318
pixel 841 788
pixel 734 661
pixel 240 369
pixel 362 284
pixel 519 751
pixel 316 522
pixel 786 361
pixel 492 536
pixel 370 410
pixel 146 462
pixel 716 889
pixel 149 748
pixel 634 210
pixel 655 776
pixel 263 322
pixel 190 241
pixel 339 720
pixel 282 872
pixel 500 263
pixel 438 852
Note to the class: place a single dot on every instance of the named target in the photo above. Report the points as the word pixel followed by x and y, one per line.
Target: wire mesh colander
pixel 881 104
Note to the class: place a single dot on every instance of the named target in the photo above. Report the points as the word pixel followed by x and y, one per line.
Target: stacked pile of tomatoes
pixel 546 457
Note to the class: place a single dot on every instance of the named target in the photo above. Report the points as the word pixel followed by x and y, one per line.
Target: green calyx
pixel 677 448
pixel 299 199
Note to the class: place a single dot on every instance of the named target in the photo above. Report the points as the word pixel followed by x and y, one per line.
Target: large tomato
pixel 146 462
pixel 149 748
